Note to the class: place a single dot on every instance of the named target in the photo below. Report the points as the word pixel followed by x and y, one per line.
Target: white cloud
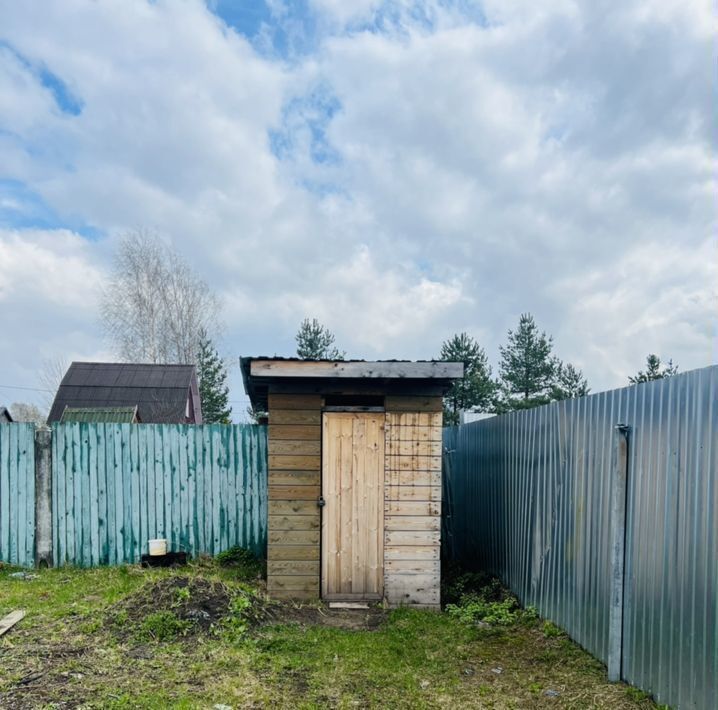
pixel 446 172
pixel 50 283
pixel 653 298
pixel 55 267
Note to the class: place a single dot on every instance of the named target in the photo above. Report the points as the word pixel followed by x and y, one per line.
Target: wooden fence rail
pixel 115 486
pixel 17 494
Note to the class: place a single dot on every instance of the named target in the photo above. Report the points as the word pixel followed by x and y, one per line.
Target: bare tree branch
pixel 52 370
pixel 154 306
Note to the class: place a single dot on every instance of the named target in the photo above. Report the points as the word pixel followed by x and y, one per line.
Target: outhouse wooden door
pixel 353 512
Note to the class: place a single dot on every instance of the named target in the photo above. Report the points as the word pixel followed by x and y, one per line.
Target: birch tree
pixel 154 306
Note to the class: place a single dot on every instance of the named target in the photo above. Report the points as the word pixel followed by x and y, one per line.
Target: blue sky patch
pixel 64 98
pixel 285 30
pixel 66 101
pixel 23 208
pixel 305 121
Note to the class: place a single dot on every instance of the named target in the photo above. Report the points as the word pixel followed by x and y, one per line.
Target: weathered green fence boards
pixel 115 486
pixel 17 494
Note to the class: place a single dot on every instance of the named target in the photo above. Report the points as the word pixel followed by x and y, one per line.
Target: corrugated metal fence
pixel 528 496
pixel 115 486
pixel 17 493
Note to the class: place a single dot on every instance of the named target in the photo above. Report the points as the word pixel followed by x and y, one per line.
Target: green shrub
pixel 472 608
pixel 455 582
pixel 490 603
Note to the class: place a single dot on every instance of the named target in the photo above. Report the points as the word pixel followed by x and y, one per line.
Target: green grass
pixel 83 644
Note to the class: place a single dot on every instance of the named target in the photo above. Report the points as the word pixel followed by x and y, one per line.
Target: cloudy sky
pixel 400 170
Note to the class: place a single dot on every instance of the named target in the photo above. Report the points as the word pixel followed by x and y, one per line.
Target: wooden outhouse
pixel 354 477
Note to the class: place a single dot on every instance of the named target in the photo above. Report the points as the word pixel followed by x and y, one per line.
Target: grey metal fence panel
pixel 17 494
pixel 527 496
pixel 115 486
pixel 671 593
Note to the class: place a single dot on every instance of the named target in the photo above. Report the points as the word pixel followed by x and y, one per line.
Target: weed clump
pixel 244 561
pixel 481 598
pixel 162 626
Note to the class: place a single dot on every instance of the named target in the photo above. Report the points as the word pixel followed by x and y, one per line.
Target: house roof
pixel 104 415
pixel 160 392
pixel 5 415
pixel 259 372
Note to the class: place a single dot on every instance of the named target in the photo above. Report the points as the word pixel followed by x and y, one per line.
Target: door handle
pixel 321 502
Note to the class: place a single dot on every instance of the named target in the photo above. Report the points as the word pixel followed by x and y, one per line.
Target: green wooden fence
pixel 115 486
pixel 17 494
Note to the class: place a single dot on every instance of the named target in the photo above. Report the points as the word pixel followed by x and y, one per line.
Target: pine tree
pixel 475 390
pixel 527 369
pixel 653 370
pixel 213 389
pixel 570 383
pixel 315 342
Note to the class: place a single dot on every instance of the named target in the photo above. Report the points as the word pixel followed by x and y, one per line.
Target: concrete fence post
pixel 619 487
pixel 43 497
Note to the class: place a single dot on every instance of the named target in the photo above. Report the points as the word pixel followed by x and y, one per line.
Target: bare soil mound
pixel 172 606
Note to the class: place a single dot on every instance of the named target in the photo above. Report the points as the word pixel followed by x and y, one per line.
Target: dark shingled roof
pixel 160 392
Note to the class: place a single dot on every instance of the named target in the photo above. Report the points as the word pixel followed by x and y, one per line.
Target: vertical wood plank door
pixel 353 514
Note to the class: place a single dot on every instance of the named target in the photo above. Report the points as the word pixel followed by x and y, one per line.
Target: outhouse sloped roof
pixel 259 372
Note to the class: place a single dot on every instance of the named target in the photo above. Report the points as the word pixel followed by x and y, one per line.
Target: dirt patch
pixel 181 606
pixel 321 615
pixel 190 605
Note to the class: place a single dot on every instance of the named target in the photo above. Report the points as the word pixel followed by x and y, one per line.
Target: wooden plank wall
pixel 412 504
pixel 114 486
pixel 295 441
pixel 412 500
pixel 17 494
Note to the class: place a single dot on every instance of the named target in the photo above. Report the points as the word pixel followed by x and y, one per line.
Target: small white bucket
pixel 158 547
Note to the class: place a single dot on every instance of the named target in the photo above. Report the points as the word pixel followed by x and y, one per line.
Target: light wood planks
pixel 405 500
pixel 294 432
pixel 7 622
pixel 294 488
pixel 352 524
pixel 412 503
pixel 293 537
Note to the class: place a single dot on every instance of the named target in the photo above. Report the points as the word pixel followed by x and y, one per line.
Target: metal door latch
pixel 321 502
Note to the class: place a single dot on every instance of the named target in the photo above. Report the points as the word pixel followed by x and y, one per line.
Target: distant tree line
pixel 529 375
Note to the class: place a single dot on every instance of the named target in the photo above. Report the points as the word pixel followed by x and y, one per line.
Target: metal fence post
pixel 619 481
pixel 43 497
